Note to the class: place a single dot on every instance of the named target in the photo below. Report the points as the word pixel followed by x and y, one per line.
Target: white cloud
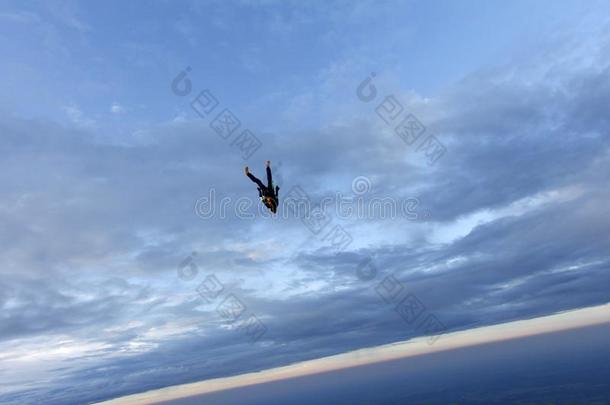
pixel 76 116
pixel 116 108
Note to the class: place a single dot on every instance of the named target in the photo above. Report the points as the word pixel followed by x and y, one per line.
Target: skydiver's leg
pixel 269 178
pixel 256 180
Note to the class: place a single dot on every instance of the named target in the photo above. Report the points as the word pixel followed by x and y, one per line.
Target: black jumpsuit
pixel 267 191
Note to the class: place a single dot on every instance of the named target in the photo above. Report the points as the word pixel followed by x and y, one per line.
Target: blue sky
pixel 103 165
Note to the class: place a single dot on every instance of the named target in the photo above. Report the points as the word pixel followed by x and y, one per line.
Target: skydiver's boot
pixel 246 170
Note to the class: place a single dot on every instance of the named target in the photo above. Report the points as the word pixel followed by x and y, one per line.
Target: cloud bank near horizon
pixel 417 347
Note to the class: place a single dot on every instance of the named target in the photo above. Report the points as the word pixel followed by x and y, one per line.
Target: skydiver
pixel 267 194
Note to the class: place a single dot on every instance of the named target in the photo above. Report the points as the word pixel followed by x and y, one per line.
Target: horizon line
pixel 570 319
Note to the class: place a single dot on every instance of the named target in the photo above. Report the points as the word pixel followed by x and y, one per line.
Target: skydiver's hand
pixel 246 170
pixel 268 163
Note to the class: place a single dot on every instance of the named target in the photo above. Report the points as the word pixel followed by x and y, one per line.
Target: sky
pixel 111 160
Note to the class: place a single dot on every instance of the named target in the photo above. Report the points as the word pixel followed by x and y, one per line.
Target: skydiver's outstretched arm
pixel 254 178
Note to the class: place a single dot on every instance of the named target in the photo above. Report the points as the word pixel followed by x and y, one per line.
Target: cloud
pixel 116 108
pixel 76 116
pixel 24 17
